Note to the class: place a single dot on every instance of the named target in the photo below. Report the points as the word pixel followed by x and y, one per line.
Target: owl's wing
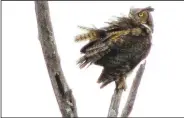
pixel 94 51
pixel 90 44
pixel 96 44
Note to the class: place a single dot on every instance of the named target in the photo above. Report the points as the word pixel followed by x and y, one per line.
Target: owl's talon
pixel 121 84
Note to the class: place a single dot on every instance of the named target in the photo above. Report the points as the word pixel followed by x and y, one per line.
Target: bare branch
pixel 115 102
pixel 133 91
pixel 61 89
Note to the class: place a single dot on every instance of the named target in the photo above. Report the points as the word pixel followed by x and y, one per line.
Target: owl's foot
pixel 121 83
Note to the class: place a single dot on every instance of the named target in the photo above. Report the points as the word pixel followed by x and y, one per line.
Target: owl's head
pixel 142 16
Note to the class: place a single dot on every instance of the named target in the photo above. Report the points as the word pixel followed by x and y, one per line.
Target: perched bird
pixel 118 47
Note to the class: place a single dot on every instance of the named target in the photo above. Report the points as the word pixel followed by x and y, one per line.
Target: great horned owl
pixel 119 47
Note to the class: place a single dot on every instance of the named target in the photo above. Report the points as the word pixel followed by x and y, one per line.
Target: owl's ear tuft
pixel 149 8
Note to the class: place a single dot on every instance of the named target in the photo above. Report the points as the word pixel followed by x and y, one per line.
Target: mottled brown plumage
pixel 119 47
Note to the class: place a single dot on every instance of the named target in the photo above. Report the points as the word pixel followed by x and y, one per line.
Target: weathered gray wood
pixel 115 102
pixel 61 89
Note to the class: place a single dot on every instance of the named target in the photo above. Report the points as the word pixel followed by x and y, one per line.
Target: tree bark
pixel 61 89
pixel 115 102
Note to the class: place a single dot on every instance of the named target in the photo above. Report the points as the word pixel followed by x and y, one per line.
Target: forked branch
pixel 61 89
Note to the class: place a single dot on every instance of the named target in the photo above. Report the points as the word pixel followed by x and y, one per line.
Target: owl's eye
pixel 141 14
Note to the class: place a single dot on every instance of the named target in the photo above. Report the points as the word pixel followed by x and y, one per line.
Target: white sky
pixel 27 89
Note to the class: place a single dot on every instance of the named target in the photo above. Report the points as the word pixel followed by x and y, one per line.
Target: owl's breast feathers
pixel 118 48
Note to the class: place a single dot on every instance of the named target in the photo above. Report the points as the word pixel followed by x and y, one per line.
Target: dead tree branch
pixel 61 89
pixel 133 91
pixel 115 102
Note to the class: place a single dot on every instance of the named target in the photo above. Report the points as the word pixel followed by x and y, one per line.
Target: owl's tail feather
pixel 108 76
pixel 105 78
pixel 106 82
pixel 102 76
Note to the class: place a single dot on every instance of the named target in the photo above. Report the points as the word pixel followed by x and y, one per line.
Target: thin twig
pixel 115 102
pixel 61 89
pixel 133 91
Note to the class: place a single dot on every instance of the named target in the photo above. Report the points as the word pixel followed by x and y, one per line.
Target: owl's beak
pixel 148 28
